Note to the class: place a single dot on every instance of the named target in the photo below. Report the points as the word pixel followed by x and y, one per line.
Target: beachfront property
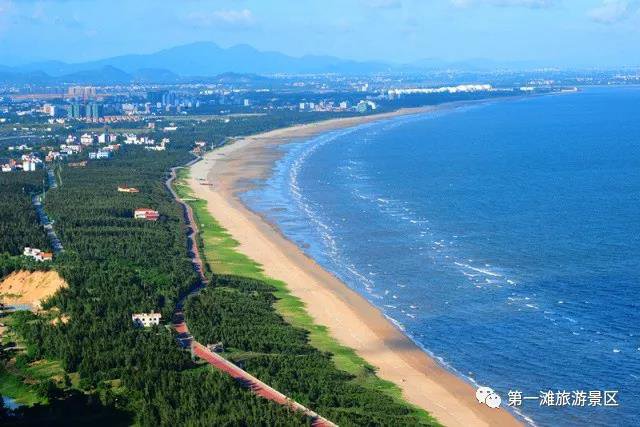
pixel 146 214
pixel 465 88
pixel 366 106
pixel 145 320
pixel 125 189
pixel 37 254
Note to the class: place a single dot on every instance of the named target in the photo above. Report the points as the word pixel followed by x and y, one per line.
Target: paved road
pixel 185 339
pixel 36 200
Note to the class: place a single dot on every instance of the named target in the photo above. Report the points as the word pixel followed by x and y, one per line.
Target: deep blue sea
pixel 503 238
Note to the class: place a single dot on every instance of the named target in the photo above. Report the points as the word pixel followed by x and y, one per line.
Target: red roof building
pixel 147 214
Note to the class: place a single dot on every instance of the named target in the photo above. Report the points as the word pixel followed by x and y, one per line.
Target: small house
pixel 147 214
pixel 125 189
pixel 145 320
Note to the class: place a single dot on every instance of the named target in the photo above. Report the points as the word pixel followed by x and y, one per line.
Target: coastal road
pixel 186 340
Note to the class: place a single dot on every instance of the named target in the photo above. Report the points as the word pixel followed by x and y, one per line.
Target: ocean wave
pixel 478 269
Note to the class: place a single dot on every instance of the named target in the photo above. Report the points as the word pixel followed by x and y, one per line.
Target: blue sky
pixel 556 32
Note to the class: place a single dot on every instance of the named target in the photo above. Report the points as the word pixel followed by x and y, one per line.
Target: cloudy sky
pixel 556 32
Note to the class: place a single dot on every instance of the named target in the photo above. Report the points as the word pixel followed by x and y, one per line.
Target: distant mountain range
pixel 204 60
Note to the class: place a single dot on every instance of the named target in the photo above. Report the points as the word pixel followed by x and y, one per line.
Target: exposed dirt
pixel 30 288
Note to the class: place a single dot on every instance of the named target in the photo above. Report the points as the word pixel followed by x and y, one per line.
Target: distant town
pixel 46 123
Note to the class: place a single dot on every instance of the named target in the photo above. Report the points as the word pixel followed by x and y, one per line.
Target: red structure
pixel 148 214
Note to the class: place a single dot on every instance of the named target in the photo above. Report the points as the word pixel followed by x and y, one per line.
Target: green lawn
pixel 20 383
pixel 44 369
pixel 222 257
pixel 13 386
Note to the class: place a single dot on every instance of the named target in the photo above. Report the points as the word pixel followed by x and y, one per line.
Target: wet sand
pixel 349 317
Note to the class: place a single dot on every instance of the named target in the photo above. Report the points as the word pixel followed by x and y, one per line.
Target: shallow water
pixel 10 403
pixel 504 238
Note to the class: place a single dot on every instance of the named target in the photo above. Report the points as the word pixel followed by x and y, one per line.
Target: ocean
pixel 502 237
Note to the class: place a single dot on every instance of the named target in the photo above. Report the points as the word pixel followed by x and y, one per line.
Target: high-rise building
pixel 84 92
pixel 169 98
pixel 93 111
pixel 74 111
pixel 155 96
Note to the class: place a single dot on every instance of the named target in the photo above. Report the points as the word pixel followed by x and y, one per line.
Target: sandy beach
pixel 349 317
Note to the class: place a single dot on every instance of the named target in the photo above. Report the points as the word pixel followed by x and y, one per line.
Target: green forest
pixel 115 266
pixel 18 220
pixel 112 373
pixel 239 312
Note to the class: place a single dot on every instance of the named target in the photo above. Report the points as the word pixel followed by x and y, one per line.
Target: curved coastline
pixel 350 318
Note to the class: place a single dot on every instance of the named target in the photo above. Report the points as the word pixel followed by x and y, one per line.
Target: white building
pixel 37 254
pixel 132 139
pixel 444 89
pixel 99 155
pixel 146 319
pixel 28 166
pixel 160 147
pixel 106 138
pixel 70 149
pixel 49 109
pixel 86 139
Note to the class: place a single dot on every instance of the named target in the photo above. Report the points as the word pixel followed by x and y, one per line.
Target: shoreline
pixel 350 319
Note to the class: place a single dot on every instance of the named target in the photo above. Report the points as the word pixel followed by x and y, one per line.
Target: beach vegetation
pixel 268 331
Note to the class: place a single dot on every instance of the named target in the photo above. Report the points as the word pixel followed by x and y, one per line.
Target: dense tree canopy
pixel 18 221
pixel 116 265
pixel 239 312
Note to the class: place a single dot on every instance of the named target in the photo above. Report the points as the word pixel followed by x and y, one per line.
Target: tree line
pixel 116 265
pixel 18 220
pixel 239 312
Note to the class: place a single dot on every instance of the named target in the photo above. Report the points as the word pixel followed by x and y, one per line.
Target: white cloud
pixel 613 11
pixel 227 18
pixel 530 4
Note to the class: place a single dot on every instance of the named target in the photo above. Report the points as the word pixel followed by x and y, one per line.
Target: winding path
pixel 186 340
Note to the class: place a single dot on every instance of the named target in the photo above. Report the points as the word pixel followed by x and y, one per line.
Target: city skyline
pixel 564 33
